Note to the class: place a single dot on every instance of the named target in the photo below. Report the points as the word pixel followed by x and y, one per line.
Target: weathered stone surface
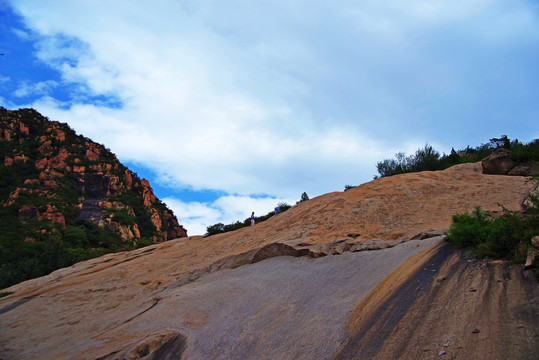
pixel 51 213
pixel 60 135
pixel 533 254
pixel 275 291
pixel 535 242
pixel 498 163
pixel 42 163
pixel 92 152
pixel 147 193
pixel 525 169
pixel 128 179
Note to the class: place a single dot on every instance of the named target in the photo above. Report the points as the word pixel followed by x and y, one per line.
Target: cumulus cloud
pixel 197 216
pixel 282 97
pixel 42 88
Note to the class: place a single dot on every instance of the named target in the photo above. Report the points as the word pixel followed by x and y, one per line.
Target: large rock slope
pixel 234 296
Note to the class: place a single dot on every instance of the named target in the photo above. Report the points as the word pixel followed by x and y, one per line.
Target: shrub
pixel 429 159
pixel 505 237
pixel 222 228
pixel 468 229
pixel 215 229
pixel 123 217
pixel 304 197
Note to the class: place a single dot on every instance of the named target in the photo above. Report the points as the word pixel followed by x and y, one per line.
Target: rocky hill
pixel 65 198
pixel 360 274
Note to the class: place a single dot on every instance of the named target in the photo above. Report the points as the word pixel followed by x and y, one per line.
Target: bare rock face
pixel 501 162
pixel 498 163
pixel 361 274
pixel 526 169
pixel 533 254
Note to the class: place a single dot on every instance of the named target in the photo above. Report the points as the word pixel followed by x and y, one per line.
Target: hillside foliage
pixel 501 237
pixel 48 174
pixel 222 228
pixel 427 158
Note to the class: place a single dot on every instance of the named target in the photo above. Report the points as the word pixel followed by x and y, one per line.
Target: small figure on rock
pixel 253 218
pixel 277 210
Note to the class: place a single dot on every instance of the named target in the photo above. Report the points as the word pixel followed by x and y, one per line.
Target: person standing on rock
pixel 253 218
pixel 277 210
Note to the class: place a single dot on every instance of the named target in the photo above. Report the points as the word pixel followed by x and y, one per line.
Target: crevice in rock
pixel 15 304
pixel 156 301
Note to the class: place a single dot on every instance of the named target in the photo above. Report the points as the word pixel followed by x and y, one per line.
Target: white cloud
pixel 197 216
pixel 42 88
pixel 289 96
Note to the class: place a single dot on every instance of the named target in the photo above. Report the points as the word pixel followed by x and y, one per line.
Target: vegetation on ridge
pixel 500 237
pixel 222 228
pixel 65 198
pixel 428 158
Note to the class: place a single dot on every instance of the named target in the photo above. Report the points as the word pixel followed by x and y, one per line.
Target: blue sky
pixel 230 107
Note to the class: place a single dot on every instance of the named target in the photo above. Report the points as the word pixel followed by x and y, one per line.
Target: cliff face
pixel 300 285
pixel 61 188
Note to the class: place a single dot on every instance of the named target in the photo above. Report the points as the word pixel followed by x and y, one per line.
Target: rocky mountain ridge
pixel 60 185
pixel 300 285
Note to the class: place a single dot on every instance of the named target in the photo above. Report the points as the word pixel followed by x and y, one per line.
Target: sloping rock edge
pixel 407 316
pixel 296 248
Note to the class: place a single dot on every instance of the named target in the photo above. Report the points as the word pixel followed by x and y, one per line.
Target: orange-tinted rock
pixel 49 184
pixel 57 162
pixel 6 135
pixel 214 297
pixel 156 219
pixel 128 178
pixel 60 135
pixel 42 163
pixel 92 152
pixel 147 194
pixel 51 213
pixel 22 158
pixel 34 182
pixel 8 161
pixel 78 169
pixel 45 148
pixel 91 155
pixel 136 231
pixel 105 205
pixel 23 129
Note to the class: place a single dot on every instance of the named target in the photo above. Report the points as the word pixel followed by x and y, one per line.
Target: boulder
pixel 530 168
pixel 42 163
pixel 535 242
pixel 533 254
pixel 500 162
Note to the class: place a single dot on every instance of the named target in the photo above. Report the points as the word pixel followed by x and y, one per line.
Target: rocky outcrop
pixel 533 254
pixel 360 274
pixel 501 162
pixel 55 179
